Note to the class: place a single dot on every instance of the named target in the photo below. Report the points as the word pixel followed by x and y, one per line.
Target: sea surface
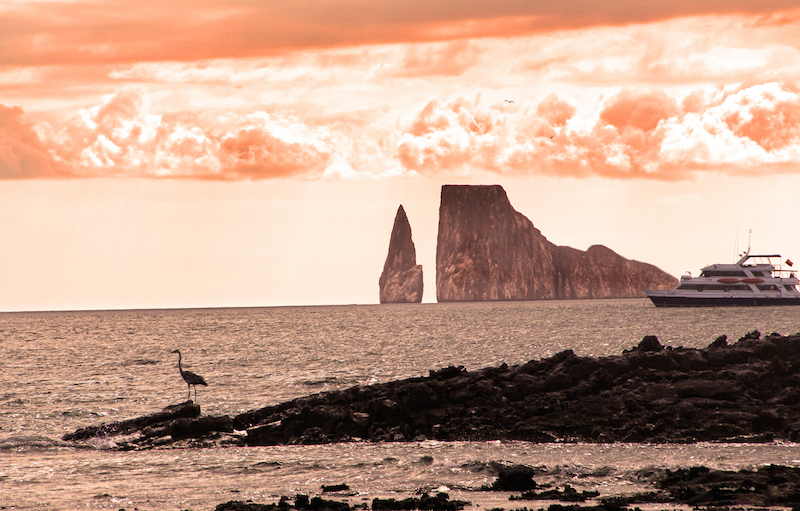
pixel 66 370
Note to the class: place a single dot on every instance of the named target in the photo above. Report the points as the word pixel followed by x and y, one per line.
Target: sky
pixel 224 153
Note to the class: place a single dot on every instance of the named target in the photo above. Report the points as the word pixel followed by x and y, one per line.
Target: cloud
pixel 690 50
pixel 452 135
pixel 638 134
pixel 121 137
pixel 449 59
pixel 753 129
pixel 81 32
pixel 767 115
pixel 274 149
pixel 22 153
pixel 635 133
pixel 638 110
pixel 555 111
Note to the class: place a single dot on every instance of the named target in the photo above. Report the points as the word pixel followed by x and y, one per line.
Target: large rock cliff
pixel 401 279
pixel 488 251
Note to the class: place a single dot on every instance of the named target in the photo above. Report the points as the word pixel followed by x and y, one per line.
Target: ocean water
pixel 65 370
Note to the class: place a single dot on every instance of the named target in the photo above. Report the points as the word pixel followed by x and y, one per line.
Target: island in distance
pixel 487 251
pixel 401 279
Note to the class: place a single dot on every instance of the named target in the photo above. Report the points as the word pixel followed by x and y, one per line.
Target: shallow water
pixel 65 370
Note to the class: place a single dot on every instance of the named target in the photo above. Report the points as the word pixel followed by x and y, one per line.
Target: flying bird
pixel 190 378
pixel 508 101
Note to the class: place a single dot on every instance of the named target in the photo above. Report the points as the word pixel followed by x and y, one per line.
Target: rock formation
pixel 401 280
pixel 488 251
pixel 742 392
pixel 176 425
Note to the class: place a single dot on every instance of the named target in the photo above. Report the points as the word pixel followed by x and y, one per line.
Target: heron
pixel 190 378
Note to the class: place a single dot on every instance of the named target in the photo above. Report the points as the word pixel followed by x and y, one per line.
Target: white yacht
pixel 753 280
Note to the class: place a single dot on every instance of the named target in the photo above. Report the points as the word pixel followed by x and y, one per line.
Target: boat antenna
pixel 749 233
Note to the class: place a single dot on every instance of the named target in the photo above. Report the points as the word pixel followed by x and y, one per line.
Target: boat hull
pixel 721 301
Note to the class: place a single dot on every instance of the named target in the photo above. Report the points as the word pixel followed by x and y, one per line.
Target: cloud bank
pixel 638 134
pixel 43 32
pixel 628 91
pixel 642 133
pixel 22 153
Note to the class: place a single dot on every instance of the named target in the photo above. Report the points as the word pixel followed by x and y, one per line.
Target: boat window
pixel 738 287
pixel 759 274
pixel 723 273
pixel 769 287
pixel 713 287
pixel 790 287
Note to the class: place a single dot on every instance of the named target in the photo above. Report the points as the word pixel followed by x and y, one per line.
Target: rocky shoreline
pixel 747 391
pixel 766 487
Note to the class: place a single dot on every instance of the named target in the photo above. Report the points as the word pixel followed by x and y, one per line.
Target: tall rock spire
pixel 401 280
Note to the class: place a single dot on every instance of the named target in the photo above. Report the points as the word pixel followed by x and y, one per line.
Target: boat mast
pixel 749 233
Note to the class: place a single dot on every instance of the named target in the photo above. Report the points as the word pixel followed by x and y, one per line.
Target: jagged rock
pixel 765 487
pixel 741 392
pixel 181 422
pixel 649 343
pixel 488 251
pixel 301 503
pixel 719 342
pixel 771 486
pixel 169 414
pixel 568 494
pixel 513 478
pixel 439 502
pixel 401 279
pixel 746 391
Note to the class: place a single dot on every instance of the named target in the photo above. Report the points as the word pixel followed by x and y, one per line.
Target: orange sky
pixel 296 113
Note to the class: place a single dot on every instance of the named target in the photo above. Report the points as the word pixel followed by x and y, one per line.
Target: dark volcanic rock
pixel 172 412
pixel 439 502
pixel 769 486
pixel 174 423
pixel 488 251
pixel 401 279
pixel 513 478
pixel 302 503
pixel 746 391
pixel 568 494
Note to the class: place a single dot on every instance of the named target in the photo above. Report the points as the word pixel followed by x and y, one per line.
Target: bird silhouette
pixel 190 378
pixel 508 101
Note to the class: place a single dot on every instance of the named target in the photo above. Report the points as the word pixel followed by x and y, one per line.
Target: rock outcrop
pixel 748 391
pixel 175 425
pixel 401 279
pixel 488 251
